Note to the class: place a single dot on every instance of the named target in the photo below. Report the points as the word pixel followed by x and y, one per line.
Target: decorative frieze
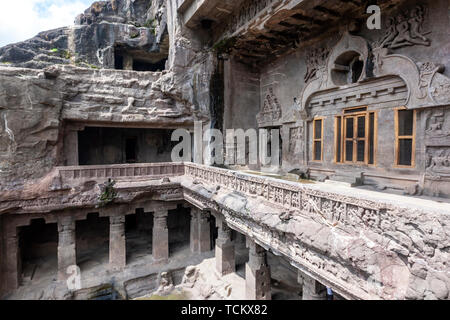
pixel 332 207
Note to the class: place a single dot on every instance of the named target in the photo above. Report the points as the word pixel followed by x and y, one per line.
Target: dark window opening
pixel 405 137
pixel 371 138
pixel 148 66
pixel 405 152
pixel 317 139
pixel 405 122
pixel 131 150
pixel 356 70
pixel 338 141
pixel 355 110
pixel 118 62
pixel 348 68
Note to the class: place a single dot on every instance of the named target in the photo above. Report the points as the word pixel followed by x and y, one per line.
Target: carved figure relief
pixel 438 162
pixel 427 71
pixel 406 30
pixel 437 131
pixel 315 59
pixel 271 110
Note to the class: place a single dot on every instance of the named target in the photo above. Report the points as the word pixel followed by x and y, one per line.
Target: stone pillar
pixel 67 255
pixel 313 290
pixel 257 273
pixel 160 236
pixel 204 232
pixel 194 237
pixel 200 231
pixel 225 259
pixel 300 281
pixel 117 243
pixel 13 272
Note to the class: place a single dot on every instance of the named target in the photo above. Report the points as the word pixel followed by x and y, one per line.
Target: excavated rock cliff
pixel 67 75
pixel 139 25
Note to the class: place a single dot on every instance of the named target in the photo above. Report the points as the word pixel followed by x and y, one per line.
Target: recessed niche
pixel 347 68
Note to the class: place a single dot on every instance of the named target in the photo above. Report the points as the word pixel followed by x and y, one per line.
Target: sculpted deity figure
pixel 391 33
pixel 415 21
pixel 405 30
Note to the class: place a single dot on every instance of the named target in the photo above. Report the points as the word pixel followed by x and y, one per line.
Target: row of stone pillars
pixel 257 271
pixel 66 250
pixel 117 242
pixel 200 241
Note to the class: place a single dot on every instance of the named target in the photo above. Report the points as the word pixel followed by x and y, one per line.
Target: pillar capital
pixel 66 223
pixel 117 219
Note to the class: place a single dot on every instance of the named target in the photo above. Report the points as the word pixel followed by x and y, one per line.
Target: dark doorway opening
pixel 179 224
pixel 241 252
pixel 39 250
pixel 118 62
pixel 92 237
pixel 138 230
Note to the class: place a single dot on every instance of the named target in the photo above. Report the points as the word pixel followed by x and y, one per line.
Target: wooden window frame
pixel 375 138
pixel 317 140
pixel 336 118
pixel 342 117
pixel 398 138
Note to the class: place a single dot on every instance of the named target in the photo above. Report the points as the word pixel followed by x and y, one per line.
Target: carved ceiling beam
pixel 328 12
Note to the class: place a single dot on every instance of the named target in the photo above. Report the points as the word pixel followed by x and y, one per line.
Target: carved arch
pixel 425 85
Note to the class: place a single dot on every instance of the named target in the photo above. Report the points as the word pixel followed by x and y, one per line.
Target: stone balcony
pixel 361 243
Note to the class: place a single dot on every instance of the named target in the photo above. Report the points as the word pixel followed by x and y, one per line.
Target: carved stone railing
pixel 119 172
pixel 333 207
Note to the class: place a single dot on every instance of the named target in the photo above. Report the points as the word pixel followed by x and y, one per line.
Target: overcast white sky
pixel 23 19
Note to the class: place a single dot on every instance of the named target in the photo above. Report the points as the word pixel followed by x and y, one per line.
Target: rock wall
pixel 30 112
pixel 136 25
pixel 65 75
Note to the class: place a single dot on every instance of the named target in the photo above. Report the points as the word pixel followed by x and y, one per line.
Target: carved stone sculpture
pixel 406 30
pixel 271 111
